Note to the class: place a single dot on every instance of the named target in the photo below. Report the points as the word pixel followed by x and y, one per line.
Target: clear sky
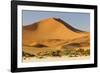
pixel 78 20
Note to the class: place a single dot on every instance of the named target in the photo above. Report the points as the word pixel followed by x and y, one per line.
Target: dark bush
pixel 56 53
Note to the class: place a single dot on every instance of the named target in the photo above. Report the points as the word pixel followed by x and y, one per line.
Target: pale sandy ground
pixel 48 59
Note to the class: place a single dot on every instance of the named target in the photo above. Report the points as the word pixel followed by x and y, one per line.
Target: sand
pixel 48 59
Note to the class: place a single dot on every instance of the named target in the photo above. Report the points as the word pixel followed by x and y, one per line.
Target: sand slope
pixel 52 32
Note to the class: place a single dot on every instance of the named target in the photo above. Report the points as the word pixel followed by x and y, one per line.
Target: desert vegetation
pixel 69 52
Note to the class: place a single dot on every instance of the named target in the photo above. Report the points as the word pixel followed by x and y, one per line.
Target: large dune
pixel 52 32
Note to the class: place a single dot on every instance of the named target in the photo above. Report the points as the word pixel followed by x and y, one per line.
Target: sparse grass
pixel 59 53
pixel 76 53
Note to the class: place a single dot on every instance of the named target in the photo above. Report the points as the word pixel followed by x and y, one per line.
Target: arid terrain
pixel 53 38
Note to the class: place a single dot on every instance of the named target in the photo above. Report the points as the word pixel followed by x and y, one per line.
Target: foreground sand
pixel 48 59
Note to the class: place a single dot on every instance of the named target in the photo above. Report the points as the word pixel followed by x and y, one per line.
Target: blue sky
pixel 78 20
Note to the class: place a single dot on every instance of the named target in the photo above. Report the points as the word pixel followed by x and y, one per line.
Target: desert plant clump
pixel 56 53
pixel 87 52
pixel 27 55
pixel 70 53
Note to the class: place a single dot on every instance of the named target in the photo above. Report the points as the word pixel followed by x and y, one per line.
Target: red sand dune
pixel 51 32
